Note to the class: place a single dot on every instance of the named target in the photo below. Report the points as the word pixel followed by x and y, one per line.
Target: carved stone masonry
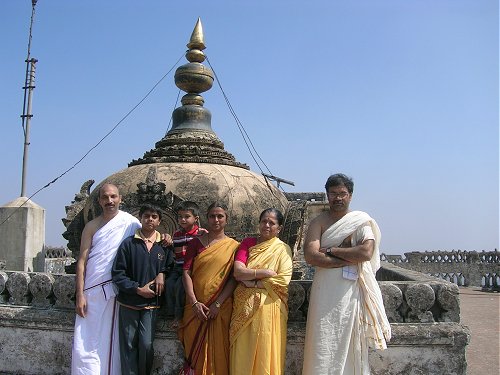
pixel 75 220
pixel 150 191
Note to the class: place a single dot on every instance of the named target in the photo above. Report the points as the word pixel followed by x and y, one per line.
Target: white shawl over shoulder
pixel 377 329
pixel 346 315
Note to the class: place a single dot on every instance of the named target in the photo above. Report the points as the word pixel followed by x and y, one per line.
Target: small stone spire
pixel 191 139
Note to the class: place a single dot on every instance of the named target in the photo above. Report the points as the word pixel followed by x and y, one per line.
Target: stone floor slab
pixel 480 311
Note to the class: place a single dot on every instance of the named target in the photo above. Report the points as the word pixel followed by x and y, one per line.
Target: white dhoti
pixel 346 314
pixel 95 343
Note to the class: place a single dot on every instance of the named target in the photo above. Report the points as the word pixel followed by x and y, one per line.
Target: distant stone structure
pixel 57 259
pixel 22 235
pixel 464 268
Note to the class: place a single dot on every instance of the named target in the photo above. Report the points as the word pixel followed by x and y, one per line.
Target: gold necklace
pixel 208 239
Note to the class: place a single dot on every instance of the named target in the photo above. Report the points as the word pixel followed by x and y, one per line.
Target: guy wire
pixel 98 143
pixel 241 128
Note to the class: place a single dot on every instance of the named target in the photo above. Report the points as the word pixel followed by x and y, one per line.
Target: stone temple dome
pixel 188 163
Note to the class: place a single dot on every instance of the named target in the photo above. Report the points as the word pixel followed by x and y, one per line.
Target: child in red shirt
pixel 188 220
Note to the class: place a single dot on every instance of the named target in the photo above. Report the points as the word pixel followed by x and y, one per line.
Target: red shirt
pixel 194 247
pixel 243 250
pixel 181 238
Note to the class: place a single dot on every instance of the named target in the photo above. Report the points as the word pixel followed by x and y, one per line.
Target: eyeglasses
pixel 342 195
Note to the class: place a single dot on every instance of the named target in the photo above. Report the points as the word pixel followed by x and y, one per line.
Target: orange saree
pixel 206 343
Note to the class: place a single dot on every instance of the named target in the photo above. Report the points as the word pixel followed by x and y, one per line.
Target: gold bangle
pixel 194 304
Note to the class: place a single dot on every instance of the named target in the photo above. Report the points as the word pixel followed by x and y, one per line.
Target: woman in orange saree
pixel 263 266
pixel 209 285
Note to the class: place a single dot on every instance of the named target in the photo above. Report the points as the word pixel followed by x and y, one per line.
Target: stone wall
pixel 57 259
pixel 464 268
pixel 37 316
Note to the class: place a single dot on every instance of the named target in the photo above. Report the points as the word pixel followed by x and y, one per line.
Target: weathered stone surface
pixel 18 288
pixel 393 298
pixel 22 235
pixel 296 297
pixel 245 192
pixel 35 341
pixel 423 349
pixel 448 299
pixel 42 338
pixel 3 281
pixel 64 291
pixel 41 288
pixel 417 348
pixel 420 298
pixel 58 265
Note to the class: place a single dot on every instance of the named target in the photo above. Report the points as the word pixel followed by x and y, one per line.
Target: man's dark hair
pixel 149 207
pixel 188 206
pixel 339 179
pixel 275 211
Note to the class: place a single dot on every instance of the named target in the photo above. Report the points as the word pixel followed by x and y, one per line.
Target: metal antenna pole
pixel 28 91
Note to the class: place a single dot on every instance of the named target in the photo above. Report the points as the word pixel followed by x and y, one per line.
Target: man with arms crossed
pixel 95 350
pixel 346 313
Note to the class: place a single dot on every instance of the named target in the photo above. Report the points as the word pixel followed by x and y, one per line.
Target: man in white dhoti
pixel 346 313
pixel 95 343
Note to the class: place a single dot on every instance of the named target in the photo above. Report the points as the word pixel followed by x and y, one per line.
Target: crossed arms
pixel 343 255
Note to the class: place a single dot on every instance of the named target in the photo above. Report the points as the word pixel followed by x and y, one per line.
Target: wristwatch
pixel 328 251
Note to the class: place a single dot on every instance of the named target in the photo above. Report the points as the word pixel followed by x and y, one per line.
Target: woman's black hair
pixel 218 204
pixel 275 211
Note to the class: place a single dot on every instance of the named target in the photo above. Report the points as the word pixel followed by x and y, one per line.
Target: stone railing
pixel 57 259
pixel 408 297
pixel 37 289
pixel 56 252
pixel 412 297
pixel 464 268
pixel 424 313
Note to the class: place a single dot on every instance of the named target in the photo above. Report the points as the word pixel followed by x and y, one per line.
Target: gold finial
pixel 196 41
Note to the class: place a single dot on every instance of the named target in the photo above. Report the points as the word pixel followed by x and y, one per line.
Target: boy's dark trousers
pixel 136 331
pixel 175 296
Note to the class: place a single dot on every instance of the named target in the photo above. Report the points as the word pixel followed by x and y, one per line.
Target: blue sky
pixel 402 95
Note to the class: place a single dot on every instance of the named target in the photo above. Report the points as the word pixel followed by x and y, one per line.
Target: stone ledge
pixel 411 298
pixel 44 343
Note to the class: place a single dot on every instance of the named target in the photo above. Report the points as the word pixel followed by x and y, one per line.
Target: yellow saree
pixel 206 344
pixel 258 323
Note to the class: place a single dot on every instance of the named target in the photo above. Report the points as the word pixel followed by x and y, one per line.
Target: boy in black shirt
pixel 138 272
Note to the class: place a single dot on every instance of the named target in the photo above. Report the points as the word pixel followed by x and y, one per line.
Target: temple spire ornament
pixel 191 139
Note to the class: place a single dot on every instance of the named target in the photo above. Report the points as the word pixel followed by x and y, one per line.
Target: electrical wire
pixel 99 142
pixel 175 106
pixel 246 138
pixel 241 128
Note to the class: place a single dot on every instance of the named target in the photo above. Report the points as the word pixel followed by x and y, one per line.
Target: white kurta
pixel 338 332
pixel 95 343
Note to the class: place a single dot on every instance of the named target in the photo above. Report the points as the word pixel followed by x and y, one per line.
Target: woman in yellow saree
pixel 263 266
pixel 209 285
